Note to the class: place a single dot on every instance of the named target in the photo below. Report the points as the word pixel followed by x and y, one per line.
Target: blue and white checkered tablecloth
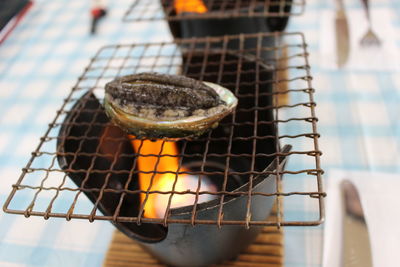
pixel 42 58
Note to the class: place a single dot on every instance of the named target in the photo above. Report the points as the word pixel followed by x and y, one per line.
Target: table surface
pixel 42 58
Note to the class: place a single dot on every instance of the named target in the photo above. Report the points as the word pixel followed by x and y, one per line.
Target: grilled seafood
pixel 159 105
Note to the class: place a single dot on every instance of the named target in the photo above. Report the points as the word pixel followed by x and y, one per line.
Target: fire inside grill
pixel 196 6
pixel 164 173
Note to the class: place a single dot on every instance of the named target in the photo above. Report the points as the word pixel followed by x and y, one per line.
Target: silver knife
pixel 342 34
pixel 356 249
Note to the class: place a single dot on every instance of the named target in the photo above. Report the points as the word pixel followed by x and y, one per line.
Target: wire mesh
pixel 270 75
pixel 151 10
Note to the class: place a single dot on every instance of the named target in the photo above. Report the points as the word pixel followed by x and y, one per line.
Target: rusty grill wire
pixel 44 189
pixel 151 10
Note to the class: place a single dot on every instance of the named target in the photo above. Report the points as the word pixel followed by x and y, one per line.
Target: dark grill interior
pixel 82 144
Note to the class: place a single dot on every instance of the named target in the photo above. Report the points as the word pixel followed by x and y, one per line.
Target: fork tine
pixel 370 39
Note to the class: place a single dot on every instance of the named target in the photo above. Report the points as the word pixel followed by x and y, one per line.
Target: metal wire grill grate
pixel 263 70
pixel 150 10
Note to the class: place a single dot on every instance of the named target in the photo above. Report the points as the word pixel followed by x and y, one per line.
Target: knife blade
pixel 356 249
pixel 342 35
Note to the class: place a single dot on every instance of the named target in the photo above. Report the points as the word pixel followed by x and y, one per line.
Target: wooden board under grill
pixel 282 75
pixel 266 251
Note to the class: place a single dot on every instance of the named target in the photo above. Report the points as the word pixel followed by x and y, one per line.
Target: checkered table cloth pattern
pixel 358 112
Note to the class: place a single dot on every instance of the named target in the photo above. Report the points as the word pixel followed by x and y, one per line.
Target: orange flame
pixel 156 203
pixel 194 6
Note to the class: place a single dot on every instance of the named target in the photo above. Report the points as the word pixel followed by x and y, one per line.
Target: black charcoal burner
pixel 217 21
pixel 87 131
pixel 177 244
pixel 220 25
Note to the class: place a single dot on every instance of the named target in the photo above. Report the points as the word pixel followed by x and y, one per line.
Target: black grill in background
pixel 152 10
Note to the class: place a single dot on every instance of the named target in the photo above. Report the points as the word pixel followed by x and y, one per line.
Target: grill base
pixel 267 250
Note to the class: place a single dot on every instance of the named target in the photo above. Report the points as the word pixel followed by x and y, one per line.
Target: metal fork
pixel 370 38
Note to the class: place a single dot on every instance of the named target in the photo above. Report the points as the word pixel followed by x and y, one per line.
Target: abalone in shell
pixel 154 105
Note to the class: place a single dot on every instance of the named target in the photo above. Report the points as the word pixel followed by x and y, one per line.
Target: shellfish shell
pixel 192 125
